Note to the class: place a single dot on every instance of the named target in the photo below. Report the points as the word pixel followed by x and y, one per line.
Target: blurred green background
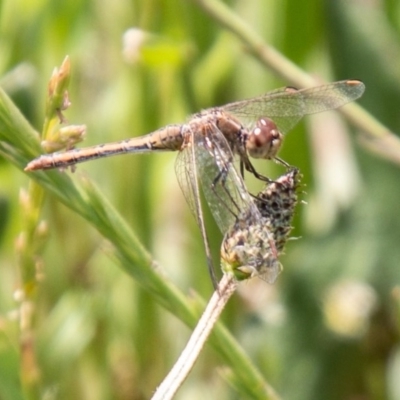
pixel 329 327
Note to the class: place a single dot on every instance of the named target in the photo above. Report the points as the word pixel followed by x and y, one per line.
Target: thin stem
pixel 255 44
pixel 190 354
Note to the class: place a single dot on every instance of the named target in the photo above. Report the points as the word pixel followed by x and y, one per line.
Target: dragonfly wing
pixel 188 181
pixel 223 188
pixel 275 105
pixel 331 96
pixel 286 106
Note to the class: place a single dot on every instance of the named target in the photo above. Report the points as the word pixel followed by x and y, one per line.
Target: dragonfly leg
pixel 220 179
pixel 283 162
pixel 249 167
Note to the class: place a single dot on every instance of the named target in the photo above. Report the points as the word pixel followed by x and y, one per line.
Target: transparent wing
pixel 223 188
pixel 186 173
pixel 286 106
pixel 207 159
pixel 187 177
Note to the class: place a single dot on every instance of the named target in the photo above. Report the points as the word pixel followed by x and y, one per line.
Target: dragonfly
pixel 208 141
pixel 248 248
pixel 253 128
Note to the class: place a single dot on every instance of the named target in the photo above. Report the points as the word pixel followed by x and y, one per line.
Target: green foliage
pixel 329 327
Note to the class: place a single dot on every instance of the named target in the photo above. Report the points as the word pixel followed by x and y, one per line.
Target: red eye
pixel 264 140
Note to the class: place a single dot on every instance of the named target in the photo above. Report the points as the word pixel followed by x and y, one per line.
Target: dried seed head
pixel 248 248
pixel 252 245
pixel 277 202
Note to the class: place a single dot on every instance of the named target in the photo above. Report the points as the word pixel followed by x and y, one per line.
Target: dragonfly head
pixel 264 140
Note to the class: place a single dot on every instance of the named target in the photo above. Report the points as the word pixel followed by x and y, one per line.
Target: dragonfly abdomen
pixel 168 138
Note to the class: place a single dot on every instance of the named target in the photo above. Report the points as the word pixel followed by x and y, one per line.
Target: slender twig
pixel 375 136
pixel 255 43
pixel 190 354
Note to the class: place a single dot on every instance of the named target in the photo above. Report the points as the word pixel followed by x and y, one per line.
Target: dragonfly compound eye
pixel 265 140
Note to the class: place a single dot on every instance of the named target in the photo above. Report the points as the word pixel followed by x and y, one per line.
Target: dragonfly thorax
pixel 231 128
pixel 265 140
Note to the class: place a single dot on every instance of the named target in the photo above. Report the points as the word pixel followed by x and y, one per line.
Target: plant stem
pixel 190 354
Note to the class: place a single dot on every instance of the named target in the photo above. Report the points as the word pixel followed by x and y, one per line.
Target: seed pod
pixel 248 248
pixel 277 202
